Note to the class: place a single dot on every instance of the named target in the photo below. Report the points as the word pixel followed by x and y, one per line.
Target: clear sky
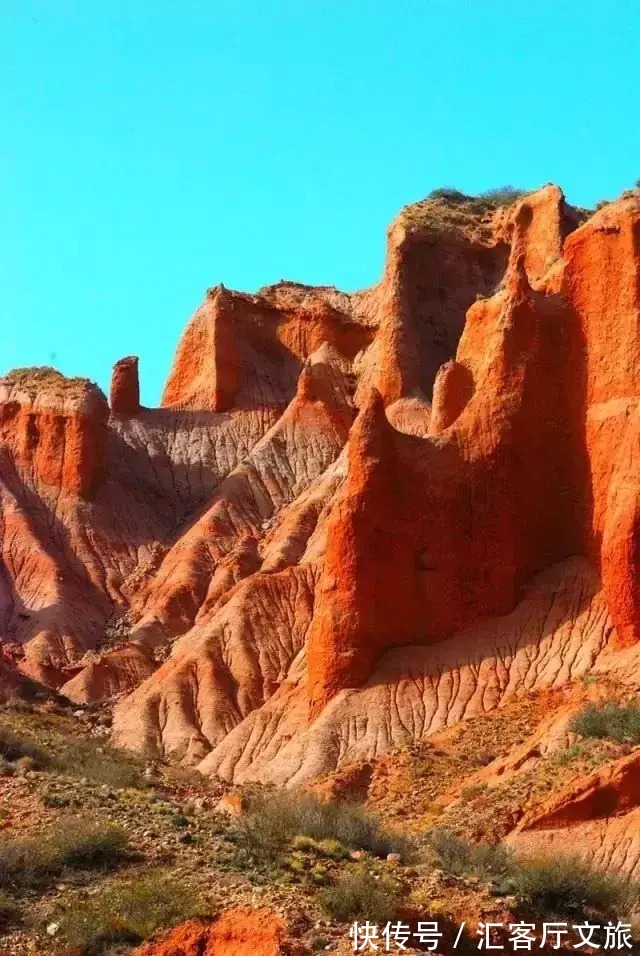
pixel 152 148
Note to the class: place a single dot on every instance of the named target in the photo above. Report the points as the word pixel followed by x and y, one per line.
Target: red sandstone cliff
pixel 356 517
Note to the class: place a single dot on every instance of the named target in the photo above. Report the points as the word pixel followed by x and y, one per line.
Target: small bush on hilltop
pixel 272 824
pixel 614 721
pixel 449 195
pixel 359 895
pixel 503 195
pixel 128 913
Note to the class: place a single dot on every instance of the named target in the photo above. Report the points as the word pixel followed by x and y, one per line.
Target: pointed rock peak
pixel 206 370
pixel 124 396
pixel 369 434
pixel 323 378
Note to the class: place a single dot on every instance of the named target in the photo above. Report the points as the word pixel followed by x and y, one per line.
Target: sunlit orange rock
pixel 124 397
pixel 237 932
pixel 55 428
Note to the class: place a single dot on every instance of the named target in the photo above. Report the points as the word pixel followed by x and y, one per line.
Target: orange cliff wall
pixel 510 478
pixel 430 534
pixel 245 351
pixel 55 429
pixel 602 284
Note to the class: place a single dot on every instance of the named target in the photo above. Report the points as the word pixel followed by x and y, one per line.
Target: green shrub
pixel 568 755
pixel 14 748
pixel 272 823
pixel 503 195
pixel 101 765
pixel 562 886
pixel 359 895
pixel 90 846
pixel 461 858
pixel 128 913
pixel 619 722
pixel 558 886
pixel 27 863
pixel 332 849
pixel 448 194
pixel 472 791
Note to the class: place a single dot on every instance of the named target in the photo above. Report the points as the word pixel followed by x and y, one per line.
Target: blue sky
pixel 152 148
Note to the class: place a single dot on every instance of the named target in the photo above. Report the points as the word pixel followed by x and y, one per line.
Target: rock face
pixel 55 429
pixel 356 518
pixel 124 398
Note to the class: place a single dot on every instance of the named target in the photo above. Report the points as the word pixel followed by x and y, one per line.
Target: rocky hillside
pixel 361 527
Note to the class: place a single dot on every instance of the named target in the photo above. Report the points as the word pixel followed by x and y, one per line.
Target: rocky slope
pixel 356 520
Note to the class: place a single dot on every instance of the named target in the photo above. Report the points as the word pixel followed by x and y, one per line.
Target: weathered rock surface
pixel 124 397
pixel 356 518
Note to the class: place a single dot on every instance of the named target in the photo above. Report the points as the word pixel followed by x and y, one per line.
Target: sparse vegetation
pixel 448 194
pixel 503 195
pixel 461 858
pixel 564 757
pixel 563 886
pixel 128 913
pixel 472 791
pixel 27 863
pixel 272 824
pixel 361 895
pixel 558 886
pixel 9 911
pixel 613 721
pixel 500 196
pixel 13 748
pixel 103 764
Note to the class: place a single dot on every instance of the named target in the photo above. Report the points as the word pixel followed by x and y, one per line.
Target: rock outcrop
pixel 238 932
pixel 124 397
pixel 356 518
pixel 55 429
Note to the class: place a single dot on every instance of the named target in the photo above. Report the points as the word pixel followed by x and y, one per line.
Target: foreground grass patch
pixel 34 862
pixel 99 763
pixel 567 887
pixel 272 823
pixel 613 721
pixel 128 913
pixel 360 895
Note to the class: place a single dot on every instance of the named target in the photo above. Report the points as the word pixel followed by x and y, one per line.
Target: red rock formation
pixel 335 484
pixel 612 790
pixel 428 536
pixel 124 397
pixel 241 350
pixel 55 428
pixel 237 932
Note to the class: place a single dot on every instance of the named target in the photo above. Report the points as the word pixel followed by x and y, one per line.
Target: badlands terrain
pixel 357 604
